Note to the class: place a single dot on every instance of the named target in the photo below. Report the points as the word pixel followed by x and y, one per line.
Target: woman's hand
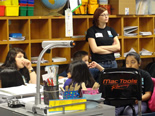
pixel 27 64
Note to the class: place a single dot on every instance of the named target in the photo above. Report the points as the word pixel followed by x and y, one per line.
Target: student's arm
pixel 146 96
pixel 96 65
pixel 114 47
pixel 33 75
pixel 104 49
pixel 97 49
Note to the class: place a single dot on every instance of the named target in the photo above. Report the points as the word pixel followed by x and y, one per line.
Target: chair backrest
pixel 10 78
pixel 120 86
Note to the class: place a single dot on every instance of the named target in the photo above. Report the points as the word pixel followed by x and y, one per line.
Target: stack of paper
pixel 144 52
pixel 128 30
pixel 117 55
pixel 34 60
pixel 145 33
pixel 59 59
pixel 151 8
pixel 17 39
pixel 19 90
pixel 1 63
pixel 131 50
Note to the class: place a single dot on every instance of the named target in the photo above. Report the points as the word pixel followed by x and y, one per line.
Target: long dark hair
pixel 10 62
pixel 80 73
pixel 10 58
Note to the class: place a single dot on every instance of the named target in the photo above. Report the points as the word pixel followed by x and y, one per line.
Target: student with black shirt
pixel 16 70
pixel 133 60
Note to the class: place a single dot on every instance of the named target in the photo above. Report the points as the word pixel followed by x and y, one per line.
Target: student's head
pixel 15 58
pixel 81 55
pixel 80 72
pixel 100 16
pixel 133 60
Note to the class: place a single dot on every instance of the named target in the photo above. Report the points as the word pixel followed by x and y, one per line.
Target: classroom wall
pixel 41 10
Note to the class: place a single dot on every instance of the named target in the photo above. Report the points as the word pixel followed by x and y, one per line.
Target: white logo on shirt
pixel 98 35
pixel 110 34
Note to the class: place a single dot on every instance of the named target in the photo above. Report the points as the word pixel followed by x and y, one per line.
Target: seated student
pixel 16 69
pixel 133 60
pixel 83 55
pixel 78 73
pixel 79 55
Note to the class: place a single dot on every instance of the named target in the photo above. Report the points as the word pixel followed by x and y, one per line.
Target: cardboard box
pixel 123 7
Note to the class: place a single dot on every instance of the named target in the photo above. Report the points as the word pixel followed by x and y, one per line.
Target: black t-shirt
pixel 102 37
pixel 147 83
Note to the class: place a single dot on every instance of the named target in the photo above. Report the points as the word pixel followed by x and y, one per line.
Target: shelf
pixel 79 26
pixel 3 30
pixel 37 29
pixel 19 42
pixel 80 45
pixel 146 24
pixel 121 50
pixel 58 28
pixel 3 52
pixel 36 49
pixel 61 52
pixel 146 43
pixel 24 46
pixel 116 24
pixel 19 26
pixel 130 43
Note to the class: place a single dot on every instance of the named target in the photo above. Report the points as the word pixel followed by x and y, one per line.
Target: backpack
pixel 151 102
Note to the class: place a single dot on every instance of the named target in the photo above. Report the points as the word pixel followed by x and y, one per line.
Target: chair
pixel 121 87
pixel 10 78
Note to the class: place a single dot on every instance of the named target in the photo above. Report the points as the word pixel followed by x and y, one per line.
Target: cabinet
pixel 39 28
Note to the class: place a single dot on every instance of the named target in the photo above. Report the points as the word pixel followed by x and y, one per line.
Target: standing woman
pixel 17 69
pixel 103 40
